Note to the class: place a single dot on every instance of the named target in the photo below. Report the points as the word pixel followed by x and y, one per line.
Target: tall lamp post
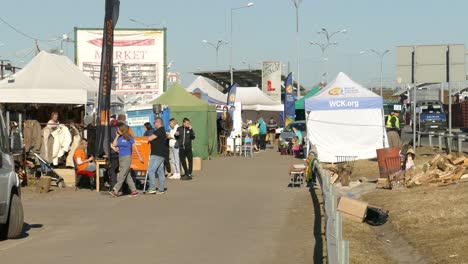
pixel 232 11
pixel 328 41
pixel 381 56
pixel 216 46
pixel 296 4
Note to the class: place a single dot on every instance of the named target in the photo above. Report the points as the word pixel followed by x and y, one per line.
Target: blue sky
pixel 265 31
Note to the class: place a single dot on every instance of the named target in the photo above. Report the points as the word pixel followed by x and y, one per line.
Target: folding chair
pixel 83 174
pixel 248 147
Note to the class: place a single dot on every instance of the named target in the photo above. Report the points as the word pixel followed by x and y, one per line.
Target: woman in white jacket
pixel 174 145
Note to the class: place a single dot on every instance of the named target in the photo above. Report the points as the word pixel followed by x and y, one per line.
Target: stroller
pixel 49 171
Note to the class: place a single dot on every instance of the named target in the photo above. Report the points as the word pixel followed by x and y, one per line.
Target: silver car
pixel 11 208
pixel 288 133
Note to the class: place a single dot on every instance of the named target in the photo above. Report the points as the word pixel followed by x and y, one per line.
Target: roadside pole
pixel 414 116
pixel 449 139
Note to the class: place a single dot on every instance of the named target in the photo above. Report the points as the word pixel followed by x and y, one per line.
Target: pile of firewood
pixel 441 170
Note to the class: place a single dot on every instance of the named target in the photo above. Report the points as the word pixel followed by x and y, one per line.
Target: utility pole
pixel 2 68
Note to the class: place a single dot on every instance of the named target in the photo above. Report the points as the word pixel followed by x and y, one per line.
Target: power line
pixel 24 34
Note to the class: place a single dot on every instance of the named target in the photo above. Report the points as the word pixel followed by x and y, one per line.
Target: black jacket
pixel 185 137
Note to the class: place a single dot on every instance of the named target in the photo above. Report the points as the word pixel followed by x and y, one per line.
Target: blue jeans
pixel 156 164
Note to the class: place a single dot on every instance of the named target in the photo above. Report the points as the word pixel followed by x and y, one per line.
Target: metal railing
pixel 337 248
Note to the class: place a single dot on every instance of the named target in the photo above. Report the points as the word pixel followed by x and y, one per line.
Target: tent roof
pixel 48 78
pixel 343 93
pixel 300 102
pixel 252 98
pixel 202 84
pixel 178 99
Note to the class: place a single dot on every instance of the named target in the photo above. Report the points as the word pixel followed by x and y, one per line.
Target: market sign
pixel 138 56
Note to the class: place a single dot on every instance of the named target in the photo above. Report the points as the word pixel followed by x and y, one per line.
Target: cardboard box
pixel 197 164
pixel 353 209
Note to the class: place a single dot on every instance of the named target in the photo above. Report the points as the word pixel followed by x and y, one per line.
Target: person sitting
pixel 295 146
pixel 83 163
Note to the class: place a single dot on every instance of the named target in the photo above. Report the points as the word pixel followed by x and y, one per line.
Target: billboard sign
pixel 138 55
pixel 271 79
pixel 431 63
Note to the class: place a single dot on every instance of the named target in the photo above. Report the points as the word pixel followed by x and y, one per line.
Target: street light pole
pixel 296 4
pixel 230 66
pixel 216 46
pixel 381 56
pixel 325 45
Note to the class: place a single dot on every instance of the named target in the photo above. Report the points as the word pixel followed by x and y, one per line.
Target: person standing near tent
pixel 271 127
pixel 123 144
pixel 53 122
pixel 159 151
pixel 393 130
pixel 253 131
pixel 148 129
pixel 298 134
pixel 174 149
pixel 184 136
pixel 263 132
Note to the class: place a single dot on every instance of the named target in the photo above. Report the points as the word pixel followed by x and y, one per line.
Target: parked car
pixel 432 116
pixel 11 208
pixel 288 133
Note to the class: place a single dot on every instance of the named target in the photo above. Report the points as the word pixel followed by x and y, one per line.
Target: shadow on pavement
pixel 26 228
pixel 318 249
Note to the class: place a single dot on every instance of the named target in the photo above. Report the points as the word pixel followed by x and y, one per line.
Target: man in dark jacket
pixel 184 136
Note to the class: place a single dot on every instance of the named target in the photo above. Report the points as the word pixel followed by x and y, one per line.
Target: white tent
pixel 201 84
pixel 48 78
pixel 252 98
pixel 345 119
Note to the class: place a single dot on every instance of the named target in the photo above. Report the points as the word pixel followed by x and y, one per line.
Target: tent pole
pixel 307 135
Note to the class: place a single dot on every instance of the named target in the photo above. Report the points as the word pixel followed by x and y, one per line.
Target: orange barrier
pixel 144 148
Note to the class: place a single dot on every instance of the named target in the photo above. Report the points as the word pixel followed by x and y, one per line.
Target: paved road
pixel 238 210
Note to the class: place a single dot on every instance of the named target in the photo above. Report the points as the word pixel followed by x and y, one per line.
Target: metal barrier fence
pixel 337 248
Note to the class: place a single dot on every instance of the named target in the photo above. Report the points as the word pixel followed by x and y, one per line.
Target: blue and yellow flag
pixel 289 106
pixel 231 99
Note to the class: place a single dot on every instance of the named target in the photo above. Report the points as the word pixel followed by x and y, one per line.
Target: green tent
pixel 300 102
pixel 202 118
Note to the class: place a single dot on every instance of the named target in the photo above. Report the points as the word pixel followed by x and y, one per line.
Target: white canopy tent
pixel 345 119
pixel 252 98
pixel 48 79
pixel 201 84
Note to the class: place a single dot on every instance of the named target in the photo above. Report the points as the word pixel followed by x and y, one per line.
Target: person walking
pixel 393 129
pixel 123 144
pixel 174 149
pixel 159 149
pixel 184 136
pixel 271 127
pixel 263 132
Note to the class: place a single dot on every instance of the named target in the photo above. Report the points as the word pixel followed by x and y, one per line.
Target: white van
pixel 11 209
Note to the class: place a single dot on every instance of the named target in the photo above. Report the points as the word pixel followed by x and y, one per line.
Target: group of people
pixel 259 130
pixel 176 142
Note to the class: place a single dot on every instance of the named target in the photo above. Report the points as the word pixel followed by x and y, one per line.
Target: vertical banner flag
pixel 105 81
pixel 271 79
pixel 289 104
pixel 231 99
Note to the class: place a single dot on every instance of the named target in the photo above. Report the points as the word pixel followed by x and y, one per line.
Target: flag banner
pixel 105 82
pixel 271 79
pixel 231 99
pixel 289 102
